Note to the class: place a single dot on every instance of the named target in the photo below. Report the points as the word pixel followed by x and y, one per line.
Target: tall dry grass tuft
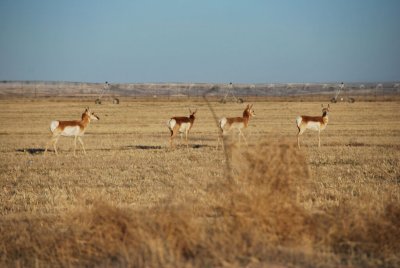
pixel 266 211
pixel 270 179
pixel 103 235
pixel 366 234
pixel 261 219
pixel 106 235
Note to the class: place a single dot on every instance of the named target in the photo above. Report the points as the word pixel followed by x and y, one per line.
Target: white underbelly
pixel 235 125
pixel 184 127
pixel 238 125
pixel 71 131
pixel 314 126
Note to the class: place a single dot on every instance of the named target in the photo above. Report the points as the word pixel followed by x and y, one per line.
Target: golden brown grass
pixel 132 201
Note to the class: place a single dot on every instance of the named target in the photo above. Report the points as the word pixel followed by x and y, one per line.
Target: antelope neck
pixel 85 120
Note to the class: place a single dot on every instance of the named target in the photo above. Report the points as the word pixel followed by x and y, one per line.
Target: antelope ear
pixel 322 106
pixel 251 106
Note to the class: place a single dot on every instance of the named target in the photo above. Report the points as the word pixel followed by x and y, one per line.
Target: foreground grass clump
pixel 257 217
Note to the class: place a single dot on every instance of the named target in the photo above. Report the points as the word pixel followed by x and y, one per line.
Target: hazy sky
pixel 248 41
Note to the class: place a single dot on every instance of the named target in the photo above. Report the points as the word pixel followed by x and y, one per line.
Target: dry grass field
pixel 133 201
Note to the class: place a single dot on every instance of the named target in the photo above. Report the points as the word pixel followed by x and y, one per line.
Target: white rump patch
pixel 171 124
pixel 53 125
pixel 298 121
pixel 222 122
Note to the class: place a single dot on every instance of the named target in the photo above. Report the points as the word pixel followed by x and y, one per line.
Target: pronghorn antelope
pixel 181 124
pixel 316 123
pixel 226 124
pixel 74 129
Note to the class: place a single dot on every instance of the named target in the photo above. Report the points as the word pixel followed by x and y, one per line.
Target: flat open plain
pixel 129 166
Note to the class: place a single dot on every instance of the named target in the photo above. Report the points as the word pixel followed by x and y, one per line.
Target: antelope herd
pixel 183 124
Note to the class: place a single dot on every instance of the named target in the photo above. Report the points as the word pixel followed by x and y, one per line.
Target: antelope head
pixel 192 113
pixel 325 110
pixel 249 110
pixel 90 114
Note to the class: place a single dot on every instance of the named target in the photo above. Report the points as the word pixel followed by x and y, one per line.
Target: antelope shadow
pixel 158 147
pixel 31 151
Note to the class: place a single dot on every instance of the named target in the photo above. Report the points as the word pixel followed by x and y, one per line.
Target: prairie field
pixel 134 201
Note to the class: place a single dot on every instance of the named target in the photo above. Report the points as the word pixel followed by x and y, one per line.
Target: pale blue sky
pixel 215 41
